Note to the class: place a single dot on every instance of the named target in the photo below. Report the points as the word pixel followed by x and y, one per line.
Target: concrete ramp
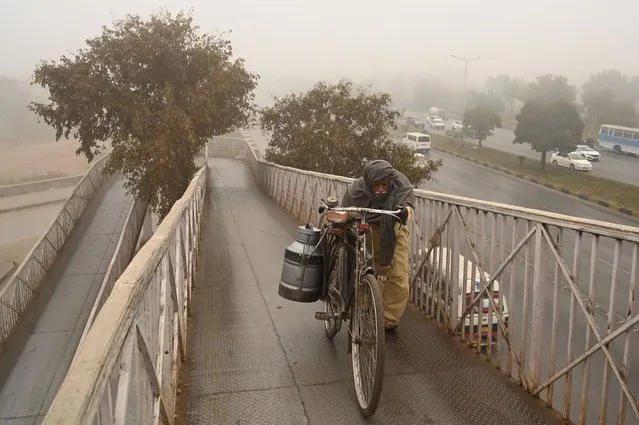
pixel 39 353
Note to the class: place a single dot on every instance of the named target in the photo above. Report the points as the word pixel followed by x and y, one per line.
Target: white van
pixel 468 288
pixel 418 142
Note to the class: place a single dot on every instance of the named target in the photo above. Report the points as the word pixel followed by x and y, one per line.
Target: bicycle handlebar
pixel 393 213
pixel 365 210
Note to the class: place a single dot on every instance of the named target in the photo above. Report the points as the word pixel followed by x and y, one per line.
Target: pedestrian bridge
pixel 186 327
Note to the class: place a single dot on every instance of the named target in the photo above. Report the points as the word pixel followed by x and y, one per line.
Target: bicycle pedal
pixel 322 315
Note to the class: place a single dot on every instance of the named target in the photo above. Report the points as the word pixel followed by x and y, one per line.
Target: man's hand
pixel 403 215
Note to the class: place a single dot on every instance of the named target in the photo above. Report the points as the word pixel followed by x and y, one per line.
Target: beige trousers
pixel 394 278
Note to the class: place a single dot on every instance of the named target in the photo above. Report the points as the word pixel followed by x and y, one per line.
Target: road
pixel 459 177
pixel 612 166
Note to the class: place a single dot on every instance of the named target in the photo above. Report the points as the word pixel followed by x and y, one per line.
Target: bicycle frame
pixel 352 233
pixel 346 235
pixel 359 256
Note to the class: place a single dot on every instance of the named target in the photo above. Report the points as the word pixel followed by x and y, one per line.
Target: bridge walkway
pixel 256 358
pixel 40 352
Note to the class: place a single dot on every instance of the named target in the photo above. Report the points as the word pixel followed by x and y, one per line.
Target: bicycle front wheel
pixel 367 344
pixel 331 304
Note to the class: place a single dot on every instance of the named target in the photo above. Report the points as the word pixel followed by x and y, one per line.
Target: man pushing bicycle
pixel 383 187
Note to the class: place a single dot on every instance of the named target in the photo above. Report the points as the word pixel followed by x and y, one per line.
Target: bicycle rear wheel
pixel 367 344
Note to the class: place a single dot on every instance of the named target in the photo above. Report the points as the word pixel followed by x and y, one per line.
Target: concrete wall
pixel 39 186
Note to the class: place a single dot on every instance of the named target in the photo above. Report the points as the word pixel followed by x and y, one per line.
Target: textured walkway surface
pixel 256 358
pixel 38 356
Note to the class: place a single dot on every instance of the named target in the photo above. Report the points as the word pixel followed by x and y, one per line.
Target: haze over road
pixel 611 166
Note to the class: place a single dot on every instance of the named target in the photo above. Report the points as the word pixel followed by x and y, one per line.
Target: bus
pixel 619 139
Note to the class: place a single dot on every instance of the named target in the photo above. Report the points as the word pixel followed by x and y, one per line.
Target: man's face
pixel 380 189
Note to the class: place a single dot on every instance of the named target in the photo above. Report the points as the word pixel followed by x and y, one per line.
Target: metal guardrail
pixel 125 370
pixel 23 286
pixel 565 320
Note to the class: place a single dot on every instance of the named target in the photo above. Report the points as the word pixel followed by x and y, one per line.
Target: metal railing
pixel 23 286
pixel 125 370
pixel 549 299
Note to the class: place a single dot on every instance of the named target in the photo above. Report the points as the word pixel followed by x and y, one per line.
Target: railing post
pixel 536 337
pixel 147 229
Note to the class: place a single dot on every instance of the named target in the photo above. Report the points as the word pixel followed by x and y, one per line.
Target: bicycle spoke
pixel 368 344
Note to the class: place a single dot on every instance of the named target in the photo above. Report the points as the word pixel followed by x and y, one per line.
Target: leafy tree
pixel 509 89
pixel 489 100
pixel 498 84
pixel 482 120
pixel 157 90
pixel 548 126
pixel 612 81
pixel 550 89
pixel 429 92
pixel 609 98
pixel 336 129
pixel 604 108
pixel 515 91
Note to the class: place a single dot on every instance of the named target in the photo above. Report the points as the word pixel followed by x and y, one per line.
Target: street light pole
pixel 466 60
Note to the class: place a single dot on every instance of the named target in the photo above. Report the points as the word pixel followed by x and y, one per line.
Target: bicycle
pixel 348 259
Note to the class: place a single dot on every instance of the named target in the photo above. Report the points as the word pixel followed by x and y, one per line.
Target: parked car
pixel 589 153
pixel 572 160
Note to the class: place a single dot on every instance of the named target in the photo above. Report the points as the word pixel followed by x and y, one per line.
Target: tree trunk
pixel 480 140
pixel 543 159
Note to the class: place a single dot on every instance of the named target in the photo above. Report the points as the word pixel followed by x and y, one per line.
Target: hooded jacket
pixel 400 194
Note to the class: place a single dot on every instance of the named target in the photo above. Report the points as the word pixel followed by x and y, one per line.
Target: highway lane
pixel 620 168
pixel 465 179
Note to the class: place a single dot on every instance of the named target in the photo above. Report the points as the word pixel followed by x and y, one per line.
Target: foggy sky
pixel 358 39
